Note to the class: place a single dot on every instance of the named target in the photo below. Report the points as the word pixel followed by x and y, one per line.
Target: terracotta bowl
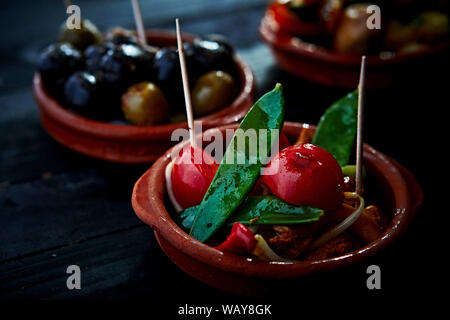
pixel 241 275
pixel 129 143
pixel 328 67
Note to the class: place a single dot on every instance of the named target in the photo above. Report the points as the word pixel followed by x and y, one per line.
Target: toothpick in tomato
pixel 191 176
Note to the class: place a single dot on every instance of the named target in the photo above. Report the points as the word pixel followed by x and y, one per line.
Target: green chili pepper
pixel 259 210
pixel 336 131
pixel 233 181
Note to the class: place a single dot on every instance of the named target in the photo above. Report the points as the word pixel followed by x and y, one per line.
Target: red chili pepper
pixel 241 240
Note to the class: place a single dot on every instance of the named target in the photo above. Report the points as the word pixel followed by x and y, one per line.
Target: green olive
pixel 144 104
pixel 80 38
pixel 212 91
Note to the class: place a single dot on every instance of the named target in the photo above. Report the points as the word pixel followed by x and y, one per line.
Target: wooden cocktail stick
pixel 139 23
pixel 359 135
pixel 184 76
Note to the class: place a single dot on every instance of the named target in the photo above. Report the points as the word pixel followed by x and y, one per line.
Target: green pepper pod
pixel 233 181
pixel 262 210
pixel 336 131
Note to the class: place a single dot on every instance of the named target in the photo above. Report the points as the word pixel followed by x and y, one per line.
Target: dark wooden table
pixel 60 208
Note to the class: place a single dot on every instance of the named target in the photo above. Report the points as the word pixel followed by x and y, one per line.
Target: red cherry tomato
pixel 306 175
pixel 191 176
pixel 288 22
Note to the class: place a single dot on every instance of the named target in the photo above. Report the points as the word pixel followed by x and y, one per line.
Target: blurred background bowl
pixel 328 67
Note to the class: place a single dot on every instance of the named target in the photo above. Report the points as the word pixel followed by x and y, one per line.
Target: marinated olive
pixel 118 36
pixel 220 39
pixel 124 65
pixel 144 104
pixel 194 67
pixel 166 69
pixel 210 53
pixel 93 55
pixel 56 63
pixel 213 91
pixel 80 38
pixel 84 94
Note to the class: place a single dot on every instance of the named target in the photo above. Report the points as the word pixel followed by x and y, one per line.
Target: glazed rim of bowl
pixel 155 214
pixel 295 45
pixel 229 114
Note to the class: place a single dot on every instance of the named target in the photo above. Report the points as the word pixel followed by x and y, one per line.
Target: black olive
pixel 80 92
pixel 213 54
pixel 167 72
pixel 194 66
pixel 56 63
pixel 119 36
pixel 125 65
pixel 84 93
pixel 219 39
pixel 93 55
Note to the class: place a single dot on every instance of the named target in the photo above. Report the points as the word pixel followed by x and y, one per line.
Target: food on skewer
pixel 194 169
pixel 310 211
pixel 306 175
pixel 341 25
pixel 101 76
pixel 192 174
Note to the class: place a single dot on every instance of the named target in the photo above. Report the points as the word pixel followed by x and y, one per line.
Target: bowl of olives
pixel 114 98
pixel 322 41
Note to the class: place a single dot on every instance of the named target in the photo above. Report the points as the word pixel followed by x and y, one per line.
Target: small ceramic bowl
pixel 328 67
pixel 237 274
pixel 130 143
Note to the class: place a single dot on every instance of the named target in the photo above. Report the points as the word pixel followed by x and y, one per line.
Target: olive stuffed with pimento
pixel 298 205
pixel 114 77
